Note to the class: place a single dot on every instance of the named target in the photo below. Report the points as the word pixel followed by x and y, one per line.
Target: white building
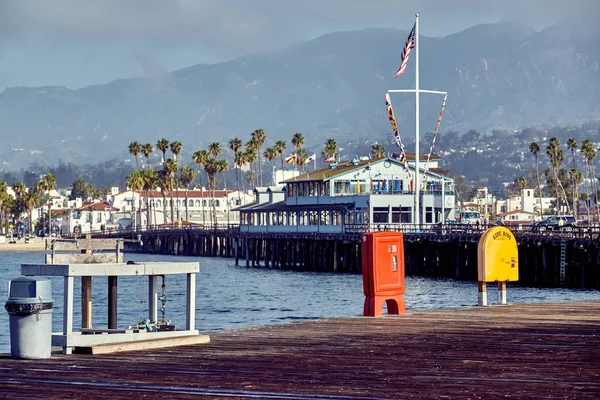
pixel 178 207
pixel 526 201
pixel 347 196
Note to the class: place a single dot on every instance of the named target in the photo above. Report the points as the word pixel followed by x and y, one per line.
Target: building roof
pixel 182 193
pixel 282 206
pixel 328 172
pixel 422 156
pixel 96 207
pixel 517 212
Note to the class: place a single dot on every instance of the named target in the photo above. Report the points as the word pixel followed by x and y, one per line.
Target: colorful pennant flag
pixel 437 128
pixel 392 118
pixel 410 44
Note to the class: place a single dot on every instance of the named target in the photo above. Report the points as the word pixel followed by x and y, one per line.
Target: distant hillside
pixel 497 76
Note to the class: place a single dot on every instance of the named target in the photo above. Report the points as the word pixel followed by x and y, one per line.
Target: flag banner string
pixel 437 128
pixel 390 110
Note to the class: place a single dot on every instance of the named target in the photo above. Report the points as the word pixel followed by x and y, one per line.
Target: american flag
pixel 410 44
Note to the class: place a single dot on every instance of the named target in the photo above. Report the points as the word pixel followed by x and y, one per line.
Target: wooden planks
pixel 544 350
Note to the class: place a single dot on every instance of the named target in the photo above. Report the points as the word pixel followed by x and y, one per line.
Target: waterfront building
pixel 351 195
pixel 140 209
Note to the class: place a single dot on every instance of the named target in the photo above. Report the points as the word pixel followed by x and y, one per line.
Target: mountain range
pixel 498 76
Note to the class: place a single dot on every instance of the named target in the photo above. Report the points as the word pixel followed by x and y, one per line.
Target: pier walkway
pixel 522 351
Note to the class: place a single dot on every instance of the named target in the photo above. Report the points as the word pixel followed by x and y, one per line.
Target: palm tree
pixel 200 157
pixel 47 183
pixel 280 147
pixel 176 148
pixel 170 168
pixel 147 150
pixel 520 183
pixel 301 157
pixel 135 182
pixel 239 160
pixel 534 148
pixel 297 140
pixel 235 145
pixel 151 182
pixel 259 136
pixel 164 184
pixel 135 148
pixel 590 153
pixel 162 145
pixel 3 196
pixel 377 151
pixel 30 200
pixel 212 167
pixel 331 148
pixel 572 145
pixel 270 155
pixel 187 177
pixel 250 157
pixel 223 166
pixel 251 148
pixel 556 158
pixel 214 149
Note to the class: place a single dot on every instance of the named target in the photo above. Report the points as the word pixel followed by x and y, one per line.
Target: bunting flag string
pixel 388 105
pixel 437 128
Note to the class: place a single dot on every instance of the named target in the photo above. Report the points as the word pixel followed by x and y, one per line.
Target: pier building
pixel 350 195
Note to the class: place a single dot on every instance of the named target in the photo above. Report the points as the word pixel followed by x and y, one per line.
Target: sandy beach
pixel 35 245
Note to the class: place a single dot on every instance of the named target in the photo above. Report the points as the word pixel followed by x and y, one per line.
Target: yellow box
pixel 497 256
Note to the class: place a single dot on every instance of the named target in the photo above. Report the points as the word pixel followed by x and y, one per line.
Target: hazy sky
pixel 81 42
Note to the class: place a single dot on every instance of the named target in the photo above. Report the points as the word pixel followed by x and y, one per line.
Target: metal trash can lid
pixel 29 290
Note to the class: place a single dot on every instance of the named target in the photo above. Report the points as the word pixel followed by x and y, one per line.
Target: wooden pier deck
pixel 523 351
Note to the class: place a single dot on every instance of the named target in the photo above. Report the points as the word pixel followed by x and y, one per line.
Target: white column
pixel 190 303
pixel 68 312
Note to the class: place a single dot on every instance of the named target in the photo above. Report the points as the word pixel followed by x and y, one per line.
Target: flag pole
pixel 417 186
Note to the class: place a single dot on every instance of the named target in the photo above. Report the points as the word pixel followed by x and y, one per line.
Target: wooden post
pixel 112 302
pixel 86 301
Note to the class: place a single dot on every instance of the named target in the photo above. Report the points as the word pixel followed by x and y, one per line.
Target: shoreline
pixel 21 246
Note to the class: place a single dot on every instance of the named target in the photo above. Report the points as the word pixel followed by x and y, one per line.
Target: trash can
pixel 29 307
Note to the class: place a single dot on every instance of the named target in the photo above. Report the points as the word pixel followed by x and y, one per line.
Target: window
pixel 395 215
pixel 203 203
pixel 197 203
pixel 191 203
pixel 217 203
pixel 99 219
pixel 406 215
pixel 428 215
pixel 238 202
pixel 380 215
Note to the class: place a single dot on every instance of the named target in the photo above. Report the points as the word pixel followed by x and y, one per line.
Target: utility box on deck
pixel 383 272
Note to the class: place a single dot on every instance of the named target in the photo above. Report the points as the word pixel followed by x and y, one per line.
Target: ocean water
pixel 230 297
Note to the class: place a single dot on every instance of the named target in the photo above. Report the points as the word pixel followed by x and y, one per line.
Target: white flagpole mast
pixel 417 90
pixel 417 211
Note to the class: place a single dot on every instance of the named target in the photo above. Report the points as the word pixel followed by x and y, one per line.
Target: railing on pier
pixel 587 232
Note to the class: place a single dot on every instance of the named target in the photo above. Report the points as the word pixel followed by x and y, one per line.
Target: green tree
pixel 162 145
pixel 377 151
pixel 170 167
pixel 135 148
pixel 297 140
pixel 135 182
pixel 80 189
pixel 331 148
pixel 556 158
pixel 200 157
pixel 259 136
pixel 187 177
pixel 270 155
pixel 280 147
pixel 235 145
pixel 534 148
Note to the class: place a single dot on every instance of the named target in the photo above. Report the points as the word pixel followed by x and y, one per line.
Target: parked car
pixel 554 223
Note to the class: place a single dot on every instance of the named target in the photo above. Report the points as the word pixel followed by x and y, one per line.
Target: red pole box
pixel 383 272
